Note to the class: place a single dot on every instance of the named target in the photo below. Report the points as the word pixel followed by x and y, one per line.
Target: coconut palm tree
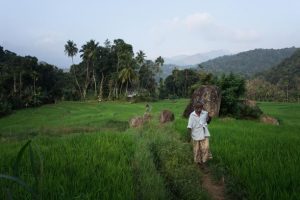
pixel 159 63
pixel 140 58
pixel 127 75
pixel 71 49
pixel 89 52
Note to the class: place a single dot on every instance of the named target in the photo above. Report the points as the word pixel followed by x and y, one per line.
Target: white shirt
pixel 198 124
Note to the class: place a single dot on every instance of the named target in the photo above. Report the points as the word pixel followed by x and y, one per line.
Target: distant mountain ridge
pixel 184 60
pixel 248 63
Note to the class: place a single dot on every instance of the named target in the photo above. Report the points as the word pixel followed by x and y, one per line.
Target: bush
pixel 248 112
pixel 145 97
pixel 5 108
pixel 16 102
pixel 232 87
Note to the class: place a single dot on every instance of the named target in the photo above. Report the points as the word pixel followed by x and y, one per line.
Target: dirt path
pixel 215 189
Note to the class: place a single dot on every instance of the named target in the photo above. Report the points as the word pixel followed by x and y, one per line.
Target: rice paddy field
pixel 86 150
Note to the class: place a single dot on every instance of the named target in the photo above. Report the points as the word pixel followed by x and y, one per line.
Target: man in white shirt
pixel 197 127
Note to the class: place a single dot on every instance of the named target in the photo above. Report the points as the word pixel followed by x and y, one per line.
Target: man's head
pixel 198 106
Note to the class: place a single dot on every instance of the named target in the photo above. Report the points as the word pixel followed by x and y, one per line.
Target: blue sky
pixel 160 28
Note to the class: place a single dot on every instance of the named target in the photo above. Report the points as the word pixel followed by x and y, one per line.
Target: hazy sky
pixel 167 27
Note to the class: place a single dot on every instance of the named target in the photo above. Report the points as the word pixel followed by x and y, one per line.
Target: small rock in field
pixel 166 116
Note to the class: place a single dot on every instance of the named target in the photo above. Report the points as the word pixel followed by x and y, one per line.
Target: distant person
pixel 197 126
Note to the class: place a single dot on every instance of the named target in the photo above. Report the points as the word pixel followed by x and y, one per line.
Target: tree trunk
pixel 87 80
pixel 84 93
pixel 126 88
pixel 116 90
pixel 95 83
pixel 110 88
pixel 101 88
pixel 15 83
pixel 20 84
pixel 34 86
pixel 76 80
pixel 121 87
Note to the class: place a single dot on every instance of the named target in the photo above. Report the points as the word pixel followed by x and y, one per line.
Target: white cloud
pixel 204 26
pixel 198 20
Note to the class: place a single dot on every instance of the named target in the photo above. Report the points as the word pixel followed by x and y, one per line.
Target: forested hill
pixel 286 73
pixel 250 62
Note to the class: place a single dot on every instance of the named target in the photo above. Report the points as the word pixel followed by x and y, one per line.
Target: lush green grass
pixel 70 117
pixel 109 163
pixel 260 161
pixel 78 167
pixel 88 153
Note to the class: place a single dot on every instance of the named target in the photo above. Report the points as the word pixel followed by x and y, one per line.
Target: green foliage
pixel 180 81
pixel 285 78
pixel 25 82
pixel 36 164
pixel 248 63
pixel 260 90
pixel 232 89
pixel 259 161
pixel 245 111
pixel 147 78
pixel 5 108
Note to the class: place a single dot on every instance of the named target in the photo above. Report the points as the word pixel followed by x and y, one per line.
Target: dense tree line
pixel 280 83
pixel 111 71
pixel 25 82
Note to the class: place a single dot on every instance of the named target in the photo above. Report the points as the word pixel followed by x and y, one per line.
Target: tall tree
pixel 127 75
pixel 88 51
pixel 159 63
pixel 71 50
pixel 140 58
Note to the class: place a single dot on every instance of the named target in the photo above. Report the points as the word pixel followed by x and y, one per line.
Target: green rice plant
pixel 89 152
pixel 36 170
pixel 259 161
pixel 173 161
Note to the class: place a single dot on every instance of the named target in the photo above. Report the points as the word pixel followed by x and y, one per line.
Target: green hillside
pixel 287 72
pixel 249 62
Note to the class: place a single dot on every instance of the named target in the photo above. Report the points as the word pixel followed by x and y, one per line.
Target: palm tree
pixel 159 63
pixel 71 50
pixel 127 75
pixel 89 52
pixel 140 58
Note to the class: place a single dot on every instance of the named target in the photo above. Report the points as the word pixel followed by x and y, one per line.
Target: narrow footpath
pixel 216 190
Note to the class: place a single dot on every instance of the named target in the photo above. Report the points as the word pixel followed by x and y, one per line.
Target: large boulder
pixel 166 116
pixel 210 95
